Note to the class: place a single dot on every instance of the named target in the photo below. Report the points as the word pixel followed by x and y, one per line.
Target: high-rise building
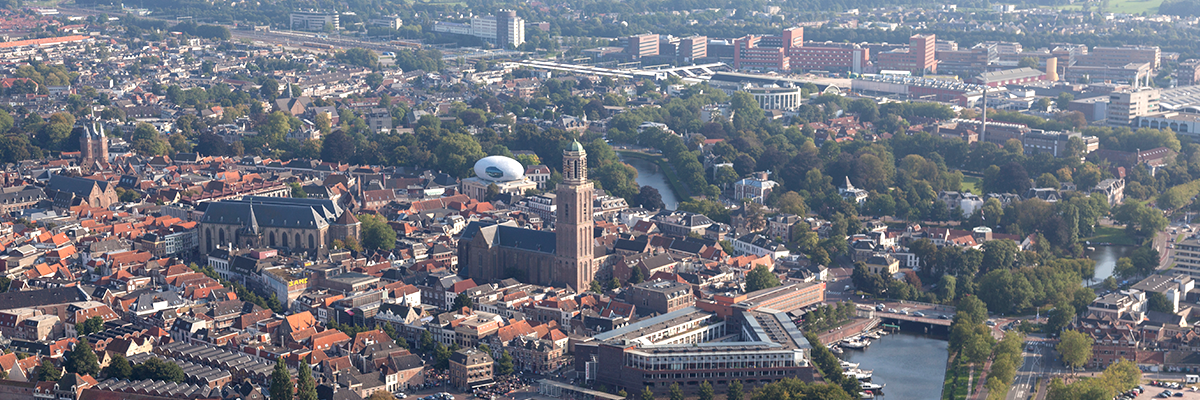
pixel 692 48
pixel 747 54
pixel 920 56
pixel 314 20
pixel 510 29
pixel 642 46
pixel 1125 106
pixel 505 29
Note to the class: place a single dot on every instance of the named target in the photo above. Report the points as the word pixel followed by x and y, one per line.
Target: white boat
pixel 865 395
pixel 836 350
pixel 870 386
pixel 856 343
pixel 871 335
pixel 849 365
pixel 859 374
pixel 881 332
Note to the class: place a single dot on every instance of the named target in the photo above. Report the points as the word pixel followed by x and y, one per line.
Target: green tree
pixel 281 382
pixel 48 372
pixel 91 325
pixel 974 308
pixel 82 360
pixel 298 191
pixel 505 366
pixel 307 385
pixel 647 394
pixel 1075 348
pixel 463 301
pixel 156 369
pixel 1159 302
pixel 735 390
pixel 595 287
pixel 119 368
pixel 376 234
pixel 441 357
pixel 1060 316
pixel 761 278
pixel 706 391
pixel 676 392
pixel 426 341
pixel 637 276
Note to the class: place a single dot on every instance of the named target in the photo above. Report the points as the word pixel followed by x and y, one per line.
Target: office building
pixel 919 57
pixel 1118 56
pixel 691 48
pixel 788 51
pixel 510 29
pixel 675 348
pixel 1017 76
pixel 642 46
pixel 1125 106
pixel 1188 73
pixel 505 29
pixel 314 21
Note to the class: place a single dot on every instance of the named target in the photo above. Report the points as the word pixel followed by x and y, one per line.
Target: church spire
pixel 252 224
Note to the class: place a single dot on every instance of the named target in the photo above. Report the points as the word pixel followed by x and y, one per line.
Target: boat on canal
pixel 856 343
pixel 870 386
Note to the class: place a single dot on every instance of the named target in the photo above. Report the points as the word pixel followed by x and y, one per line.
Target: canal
pixel 650 175
pixel 1106 261
pixel 911 366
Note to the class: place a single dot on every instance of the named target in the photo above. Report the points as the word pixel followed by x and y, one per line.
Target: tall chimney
pixel 1052 69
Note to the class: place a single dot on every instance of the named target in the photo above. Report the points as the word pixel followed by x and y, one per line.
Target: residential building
pixel 470 369
pixel 661 296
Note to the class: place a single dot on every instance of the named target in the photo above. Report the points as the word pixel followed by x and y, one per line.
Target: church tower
pixel 575 264
pixel 93 146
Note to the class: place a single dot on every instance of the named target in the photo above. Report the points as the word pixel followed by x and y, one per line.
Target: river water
pixel 912 366
pixel 650 175
pixel 1106 260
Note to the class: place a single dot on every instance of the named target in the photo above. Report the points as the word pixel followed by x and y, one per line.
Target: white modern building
pixel 314 20
pixel 505 28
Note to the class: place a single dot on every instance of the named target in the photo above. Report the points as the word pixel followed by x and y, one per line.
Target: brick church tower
pixel 93 146
pixel 575 264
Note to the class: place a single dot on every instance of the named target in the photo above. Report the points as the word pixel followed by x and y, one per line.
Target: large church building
pixel 489 251
pixel 299 225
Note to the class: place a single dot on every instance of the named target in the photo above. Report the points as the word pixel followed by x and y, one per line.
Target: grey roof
pixel 514 237
pixel 327 208
pixel 274 215
pixel 34 298
pixel 21 194
pixel 79 186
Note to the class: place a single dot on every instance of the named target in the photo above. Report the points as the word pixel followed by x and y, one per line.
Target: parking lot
pixel 1155 392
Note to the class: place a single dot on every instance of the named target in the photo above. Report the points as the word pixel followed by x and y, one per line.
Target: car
pixel 400 395
pixel 893 311
pixel 879 307
pixel 919 314
pixel 943 316
pixel 991 323
pixel 1179 394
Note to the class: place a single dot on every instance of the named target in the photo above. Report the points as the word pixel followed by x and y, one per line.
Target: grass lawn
pixel 1134 6
pixel 971 184
pixel 1122 6
pixel 1108 234
pixel 956 383
pixel 680 190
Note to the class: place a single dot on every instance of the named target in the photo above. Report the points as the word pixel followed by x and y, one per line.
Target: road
pixel 1040 361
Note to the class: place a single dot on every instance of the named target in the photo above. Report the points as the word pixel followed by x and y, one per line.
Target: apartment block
pixel 1125 106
